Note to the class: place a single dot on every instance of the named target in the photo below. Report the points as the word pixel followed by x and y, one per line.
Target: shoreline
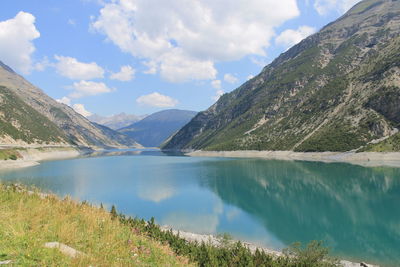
pixel 366 159
pixel 216 241
pixel 33 156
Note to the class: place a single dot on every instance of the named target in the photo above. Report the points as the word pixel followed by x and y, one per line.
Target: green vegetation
pixel 232 253
pixel 336 137
pixel 392 144
pixel 28 221
pixel 12 154
pixel 21 122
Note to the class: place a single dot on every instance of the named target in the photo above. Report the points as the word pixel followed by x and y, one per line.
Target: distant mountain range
pixel 117 121
pixel 337 90
pixel 29 116
pixel 153 130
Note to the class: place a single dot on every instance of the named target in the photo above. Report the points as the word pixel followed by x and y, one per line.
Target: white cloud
pixel 291 37
pixel 64 100
pixel 323 7
pixel 71 22
pixel 178 67
pixel 73 69
pixel 88 88
pixel 127 73
pixel 230 78
pixel 157 100
pixel 16 46
pixel 216 84
pixel 250 77
pixel 80 108
pixel 261 62
pixel 42 65
pixel 151 67
pixel 218 94
pixel 185 39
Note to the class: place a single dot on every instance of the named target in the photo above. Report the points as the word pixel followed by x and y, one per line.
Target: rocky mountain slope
pixel 117 121
pixel 29 116
pixel 157 127
pixel 336 90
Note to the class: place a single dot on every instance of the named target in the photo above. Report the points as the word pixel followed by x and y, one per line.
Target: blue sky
pixel 141 56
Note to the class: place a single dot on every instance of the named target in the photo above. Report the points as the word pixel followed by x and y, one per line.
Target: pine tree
pixel 113 212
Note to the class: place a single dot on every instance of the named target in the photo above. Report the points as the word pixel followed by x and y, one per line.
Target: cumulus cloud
pixel 230 78
pixel 291 37
pixel 88 88
pixel 178 67
pixel 250 77
pixel 42 64
pixel 64 100
pixel 323 7
pixel 16 41
pixel 127 73
pixel 183 40
pixel 151 67
pixel 73 69
pixel 216 84
pixel 80 108
pixel 157 100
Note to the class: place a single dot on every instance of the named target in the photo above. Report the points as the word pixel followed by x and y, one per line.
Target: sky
pixel 142 56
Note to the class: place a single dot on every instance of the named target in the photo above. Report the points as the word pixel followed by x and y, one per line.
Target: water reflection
pixel 354 209
pixel 273 203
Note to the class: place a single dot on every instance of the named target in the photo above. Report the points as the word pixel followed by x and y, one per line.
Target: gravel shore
pixel 215 241
pixel 32 156
pixel 370 159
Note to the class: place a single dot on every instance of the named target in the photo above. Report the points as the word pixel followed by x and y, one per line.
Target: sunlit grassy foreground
pixel 28 221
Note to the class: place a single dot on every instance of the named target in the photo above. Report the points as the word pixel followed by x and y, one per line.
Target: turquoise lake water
pixel 354 209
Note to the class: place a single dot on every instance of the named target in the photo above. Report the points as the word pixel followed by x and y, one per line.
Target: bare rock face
pixel 64 125
pixel 336 90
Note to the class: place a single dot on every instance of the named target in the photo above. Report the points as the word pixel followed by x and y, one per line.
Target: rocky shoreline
pixel 216 241
pixel 368 159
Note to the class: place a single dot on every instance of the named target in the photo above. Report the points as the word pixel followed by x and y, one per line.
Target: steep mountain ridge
pixel 334 91
pixel 32 117
pixel 154 129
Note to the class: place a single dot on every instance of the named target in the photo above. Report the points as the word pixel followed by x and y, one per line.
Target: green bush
pixel 13 157
pixel 231 253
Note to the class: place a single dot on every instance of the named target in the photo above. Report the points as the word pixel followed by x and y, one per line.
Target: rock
pixel 5 262
pixel 66 250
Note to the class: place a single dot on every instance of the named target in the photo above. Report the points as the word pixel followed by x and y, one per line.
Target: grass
pixel 27 222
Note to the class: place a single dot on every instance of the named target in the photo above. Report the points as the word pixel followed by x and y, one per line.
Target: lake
pixel 273 203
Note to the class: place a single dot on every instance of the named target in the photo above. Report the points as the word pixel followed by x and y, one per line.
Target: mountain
pixel 337 90
pixel 117 121
pixel 29 116
pixel 153 130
